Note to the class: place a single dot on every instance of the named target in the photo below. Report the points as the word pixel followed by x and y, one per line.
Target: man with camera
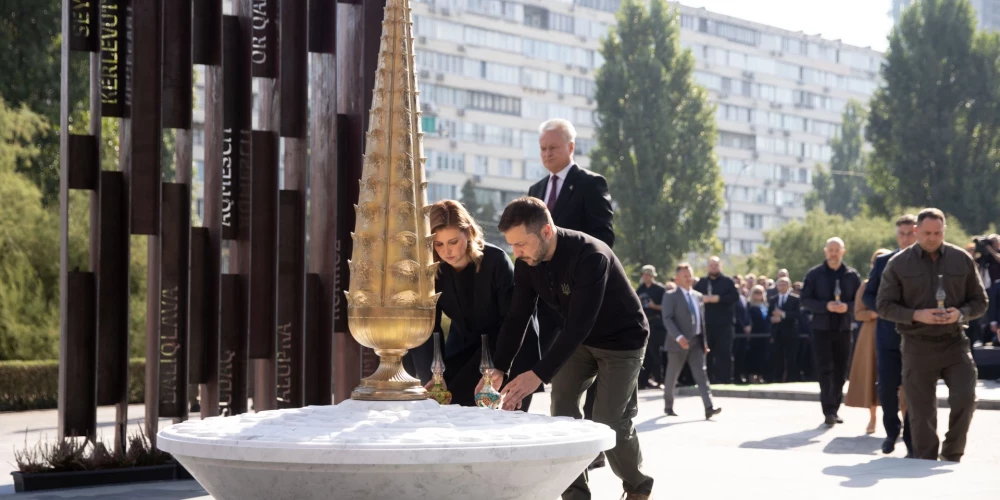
pixel 929 290
pixel 987 249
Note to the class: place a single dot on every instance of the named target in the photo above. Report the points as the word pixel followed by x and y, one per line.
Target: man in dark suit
pixel 887 344
pixel 828 291
pixel 783 309
pixel 605 336
pixel 720 295
pixel 577 199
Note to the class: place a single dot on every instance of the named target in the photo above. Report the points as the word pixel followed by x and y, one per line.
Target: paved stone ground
pixel 987 392
pixel 778 448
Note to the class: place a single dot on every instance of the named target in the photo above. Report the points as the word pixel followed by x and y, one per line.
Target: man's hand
pixel 746 329
pixel 522 385
pixel 710 299
pixel 683 342
pixel 993 326
pixel 950 316
pixel 836 307
pixel 775 318
pixel 931 316
pixel 496 376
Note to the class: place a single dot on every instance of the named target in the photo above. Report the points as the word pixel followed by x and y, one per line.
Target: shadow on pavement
pixel 662 423
pixel 167 490
pixel 869 474
pixel 788 441
pixel 858 445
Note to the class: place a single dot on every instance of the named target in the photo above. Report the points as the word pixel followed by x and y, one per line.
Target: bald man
pixel 828 292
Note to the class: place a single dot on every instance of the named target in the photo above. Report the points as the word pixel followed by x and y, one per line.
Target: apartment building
pixel 491 71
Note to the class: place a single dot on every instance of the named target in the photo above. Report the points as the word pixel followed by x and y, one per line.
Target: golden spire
pixel 391 299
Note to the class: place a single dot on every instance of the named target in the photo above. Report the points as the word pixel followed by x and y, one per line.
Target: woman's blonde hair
pixel 450 213
pixel 878 253
pixel 763 294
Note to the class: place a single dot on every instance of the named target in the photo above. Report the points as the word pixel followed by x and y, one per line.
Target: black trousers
pixel 652 365
pixel 720 356
pixel 784 357
pixel 890 379
pixel 833 352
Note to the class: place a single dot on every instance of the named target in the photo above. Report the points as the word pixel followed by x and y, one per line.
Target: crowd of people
pixel 564 313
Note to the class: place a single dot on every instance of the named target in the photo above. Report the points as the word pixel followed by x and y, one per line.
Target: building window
pixel 482 165
pixel 437 192
pixel 198 137
pixel 536 17
pixel 505 168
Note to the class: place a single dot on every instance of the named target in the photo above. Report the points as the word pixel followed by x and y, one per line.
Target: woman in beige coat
pixel 862 392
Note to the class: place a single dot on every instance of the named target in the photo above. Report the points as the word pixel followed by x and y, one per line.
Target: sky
pixel 862 23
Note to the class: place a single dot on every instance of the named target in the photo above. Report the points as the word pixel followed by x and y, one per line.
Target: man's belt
pixel 933 338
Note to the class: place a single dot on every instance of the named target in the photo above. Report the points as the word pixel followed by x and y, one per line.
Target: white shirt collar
pixel 562 173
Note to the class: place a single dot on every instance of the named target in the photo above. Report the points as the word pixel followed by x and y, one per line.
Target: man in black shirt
pixel 721 296
pixel 605 333
pixel 650 296
pixel 828 291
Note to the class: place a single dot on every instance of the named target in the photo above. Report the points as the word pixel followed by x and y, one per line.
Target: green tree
pixel 798 246
pixel 30 61
pixel 844 189
pixel 935 123
pixel 655 139
pixel 484 213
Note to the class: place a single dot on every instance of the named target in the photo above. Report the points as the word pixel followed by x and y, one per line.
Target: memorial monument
pixel 389 440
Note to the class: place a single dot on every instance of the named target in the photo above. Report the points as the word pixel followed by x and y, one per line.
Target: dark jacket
pixel 759 321
pixel 910 281
pixel 721 312
pixel 886 336
pixel 583 205
pixel 493 287
pixel 789 326
pixel 817 290
pixel 587 285
pixel 741 318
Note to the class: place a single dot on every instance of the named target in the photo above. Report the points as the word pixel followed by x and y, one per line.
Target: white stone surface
pixel 408 450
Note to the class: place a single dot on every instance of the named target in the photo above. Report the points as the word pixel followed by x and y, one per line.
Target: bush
pixel 34 385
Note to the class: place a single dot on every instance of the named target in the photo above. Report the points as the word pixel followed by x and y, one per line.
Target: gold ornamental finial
pixel 391 300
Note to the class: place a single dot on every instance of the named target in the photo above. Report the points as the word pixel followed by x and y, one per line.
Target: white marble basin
pixel 411 450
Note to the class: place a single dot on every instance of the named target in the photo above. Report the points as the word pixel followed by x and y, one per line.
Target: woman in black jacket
pixel 476 282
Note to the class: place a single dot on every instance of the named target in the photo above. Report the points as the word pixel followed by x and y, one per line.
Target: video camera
pixel 982 250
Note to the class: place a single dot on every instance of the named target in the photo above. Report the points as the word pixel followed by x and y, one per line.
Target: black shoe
pixel 889 445
pixel 711 412
pixel 838 419
pixel 598 462
pixel 830 420
pixel 669 412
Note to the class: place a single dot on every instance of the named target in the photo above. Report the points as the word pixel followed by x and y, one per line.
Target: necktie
pixel 781 301
pixel 693 309
pixel 552 193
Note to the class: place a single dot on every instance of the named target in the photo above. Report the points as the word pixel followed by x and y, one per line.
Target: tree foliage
pixel 843 190
pixel 655 139
pixel 935 123
pixel 798 246
pixel 484 213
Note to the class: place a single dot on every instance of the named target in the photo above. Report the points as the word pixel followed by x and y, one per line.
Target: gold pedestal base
pixel 390 382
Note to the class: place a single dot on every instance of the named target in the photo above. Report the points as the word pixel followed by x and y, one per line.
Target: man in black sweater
pixel 720 299
pixel 828 291
pixel 605 333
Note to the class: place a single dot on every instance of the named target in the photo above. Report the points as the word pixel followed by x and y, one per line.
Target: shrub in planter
pixel 74 462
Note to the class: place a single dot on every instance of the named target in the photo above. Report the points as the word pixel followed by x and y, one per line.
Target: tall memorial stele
pixel 391 299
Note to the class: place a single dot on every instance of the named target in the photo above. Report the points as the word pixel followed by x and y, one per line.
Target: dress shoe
pixel 837 419
pixel 711 412
pixel 830 420
pixel 598 462
pixel 889 445
pixel 669 412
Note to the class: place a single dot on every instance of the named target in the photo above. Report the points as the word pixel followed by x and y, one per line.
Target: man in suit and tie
pixel 887 344
pixel 684 318
pixel 783 309
pixel 577 199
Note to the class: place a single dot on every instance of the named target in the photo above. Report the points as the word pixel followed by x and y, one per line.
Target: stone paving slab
pixel 987 392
